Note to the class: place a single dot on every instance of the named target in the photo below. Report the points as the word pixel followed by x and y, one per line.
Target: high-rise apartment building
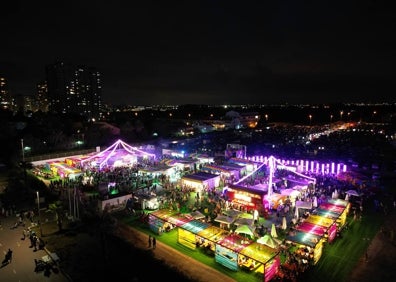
pixel 74 89
pixel 42 96
pixel 6 101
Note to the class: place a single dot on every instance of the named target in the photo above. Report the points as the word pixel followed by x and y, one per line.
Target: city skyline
pixel 207 52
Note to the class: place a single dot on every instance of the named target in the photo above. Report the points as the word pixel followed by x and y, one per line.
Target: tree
pixel 57 208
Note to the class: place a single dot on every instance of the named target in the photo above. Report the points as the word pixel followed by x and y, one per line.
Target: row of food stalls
pixel 321 226
pixel 230 249
pixel 236 251
pixel 63 169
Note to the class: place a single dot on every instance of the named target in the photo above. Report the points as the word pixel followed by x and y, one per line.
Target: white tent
pixel 284 223
pixel 353 193
pixel 304 205
pixel 245 230
pixel 315 202
pixel 296 214
pixel 290 192
pixel 268 241
pixel 273 231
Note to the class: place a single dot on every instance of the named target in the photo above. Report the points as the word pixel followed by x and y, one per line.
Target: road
pixel 22 266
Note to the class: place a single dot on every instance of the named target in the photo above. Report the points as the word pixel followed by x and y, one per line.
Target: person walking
pixel 154 242
pixel 9 256
pixel 150 239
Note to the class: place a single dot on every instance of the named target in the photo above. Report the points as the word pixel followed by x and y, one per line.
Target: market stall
pixel 260 259
pixel 245 198
pixel 161 220
pixel 165 220
pixel 248 164
pixel 341 203
pixel 207 238
pixel 228 248
pixel 328 223
pixel 307 246
pixel 338 202
pixel 200 181
pixel 230 171
pixel 309 227
pixel 156 224
pixel 188 231
pixel 224 221
pixel 63 170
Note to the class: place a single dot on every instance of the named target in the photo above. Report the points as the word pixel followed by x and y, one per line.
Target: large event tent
pixel 118 154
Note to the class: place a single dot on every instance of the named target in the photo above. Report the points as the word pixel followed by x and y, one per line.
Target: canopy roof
pixel 195 226
pixel 304 238
pixel 259 252
pixel 245 229
pixel 118 150
pixel 269 241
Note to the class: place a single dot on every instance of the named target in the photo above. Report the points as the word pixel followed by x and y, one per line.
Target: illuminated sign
pixel 242 197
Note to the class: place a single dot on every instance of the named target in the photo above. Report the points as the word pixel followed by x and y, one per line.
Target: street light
pixel 310 119
pixel 38 208
pixel 23 151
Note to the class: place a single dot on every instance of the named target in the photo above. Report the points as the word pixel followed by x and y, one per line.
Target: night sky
pixel 207 52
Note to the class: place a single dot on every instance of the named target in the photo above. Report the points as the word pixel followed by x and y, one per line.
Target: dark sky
pixel 208 51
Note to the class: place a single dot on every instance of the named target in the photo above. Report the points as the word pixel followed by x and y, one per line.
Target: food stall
pixel 159 221
pixel 200 181
pixel 228 249
pixel 250 198
pixel 308 246
pixel 309 227
pixel 207 238
pixel 261 259
pixel 338 205
pixel 188 231
pixel 328 223
pixel 64 170
pixel 224 221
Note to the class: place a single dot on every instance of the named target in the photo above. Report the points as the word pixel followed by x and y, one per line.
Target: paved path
pixel 190 267
pixel 22 266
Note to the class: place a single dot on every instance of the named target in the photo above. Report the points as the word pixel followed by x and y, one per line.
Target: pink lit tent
pixel 120 153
